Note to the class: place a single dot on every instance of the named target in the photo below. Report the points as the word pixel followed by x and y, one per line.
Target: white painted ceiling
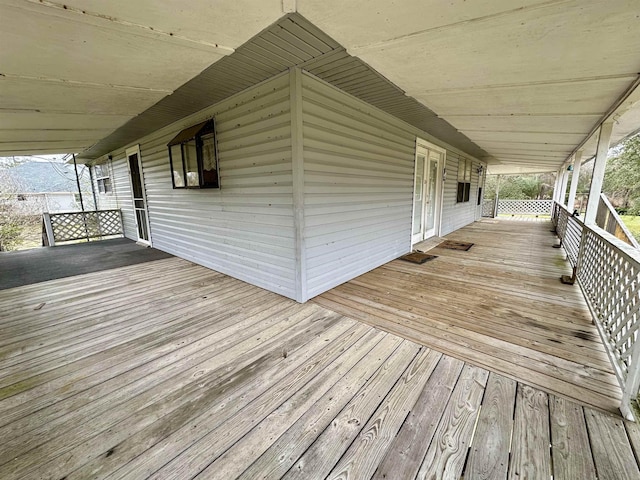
pixel 526 80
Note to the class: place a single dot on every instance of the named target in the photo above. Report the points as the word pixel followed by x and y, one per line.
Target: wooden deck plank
pixel 242 358
pixel 484 355
pixel 138 330
pixel 530 455
pixel 405 455
pixel 446 455
pixel 280 456
pixel 571 451
pixel 340 379
pixel 162 441
pixel 143 375
pixel 331 444
pixel 489 457
pixel 633 431
pixel 225 380
pixel 612 451
pixel 499 306
pixel 364 455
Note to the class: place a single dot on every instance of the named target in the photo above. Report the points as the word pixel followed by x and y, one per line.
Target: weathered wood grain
pixel 489 455
pixel 446 455
pixel 330 446
pixel 571 451
pixel 612 452
pixel 530 455
pixel 498 306
pixel 405 454
pixel 366 452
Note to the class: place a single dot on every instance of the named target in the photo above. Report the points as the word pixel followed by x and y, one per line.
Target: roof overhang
pixel 520 84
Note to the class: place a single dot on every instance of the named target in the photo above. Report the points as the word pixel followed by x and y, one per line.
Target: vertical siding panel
pixel 358 187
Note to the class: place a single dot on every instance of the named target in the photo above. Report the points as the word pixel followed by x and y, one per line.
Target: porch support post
pixel 598 173
pixel 563 186
pixel 51 239
pixel 556 186
pixel 497 199
pixel 577 162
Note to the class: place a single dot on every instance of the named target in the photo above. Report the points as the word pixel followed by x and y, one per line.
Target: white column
pixel 556 186
pixel 563 186
pixel 598 173
pixel 577 162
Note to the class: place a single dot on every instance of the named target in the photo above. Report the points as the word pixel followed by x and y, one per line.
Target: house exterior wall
pixel 316 188
pixel 107 201
pixel 244 229
pixel 358 186
pixel 457 215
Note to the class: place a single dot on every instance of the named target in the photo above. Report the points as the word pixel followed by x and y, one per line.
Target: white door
pixel 138 195
pixel 427 191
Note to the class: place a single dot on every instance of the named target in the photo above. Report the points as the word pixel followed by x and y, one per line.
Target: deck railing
pixel 516 207
pixel 66 227
pixel 608 219
pixel 608 272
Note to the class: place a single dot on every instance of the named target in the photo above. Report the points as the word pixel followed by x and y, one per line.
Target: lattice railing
pixel 608 271
pixel 65 227
pixel 525 207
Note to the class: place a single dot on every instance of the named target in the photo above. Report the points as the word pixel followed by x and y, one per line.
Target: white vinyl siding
pixel 354 180
pixel 358 186
pixel 244 229
pixel 122 192
pixel 106 201
pixel 457 215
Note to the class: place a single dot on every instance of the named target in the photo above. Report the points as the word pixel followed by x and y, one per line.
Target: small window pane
pixel 178 169
pixel 467 190
pixel 209 167
pixel 460 197
pixel 191 162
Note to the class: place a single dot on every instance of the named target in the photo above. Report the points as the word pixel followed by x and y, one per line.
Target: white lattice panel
pixel 611 282
pixel 85 225
pixel 525 207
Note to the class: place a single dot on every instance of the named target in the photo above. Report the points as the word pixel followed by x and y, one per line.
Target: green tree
pixel 622 177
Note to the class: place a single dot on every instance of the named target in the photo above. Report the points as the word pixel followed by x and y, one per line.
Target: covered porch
pixel 478 363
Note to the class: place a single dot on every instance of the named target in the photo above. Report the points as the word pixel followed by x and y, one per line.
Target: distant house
pixel 37 187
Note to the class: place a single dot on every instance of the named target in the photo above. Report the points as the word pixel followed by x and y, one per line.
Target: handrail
pixel 608 219
pixel 608 272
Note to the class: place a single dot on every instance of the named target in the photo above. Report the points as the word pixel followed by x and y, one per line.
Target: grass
pixel 633 224
pixel 30 237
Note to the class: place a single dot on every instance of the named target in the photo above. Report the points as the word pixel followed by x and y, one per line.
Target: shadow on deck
pixel 37 265
pixel 171 370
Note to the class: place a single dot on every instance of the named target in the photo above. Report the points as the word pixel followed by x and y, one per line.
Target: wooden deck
pixel 168 370
pixel 499 306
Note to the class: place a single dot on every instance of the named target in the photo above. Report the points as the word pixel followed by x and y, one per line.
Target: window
pixel 464 180
pixel 193 159
pixel 103 178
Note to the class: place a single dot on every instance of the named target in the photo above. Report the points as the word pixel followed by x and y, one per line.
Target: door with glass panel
pixel 427 192
pixel 138 194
